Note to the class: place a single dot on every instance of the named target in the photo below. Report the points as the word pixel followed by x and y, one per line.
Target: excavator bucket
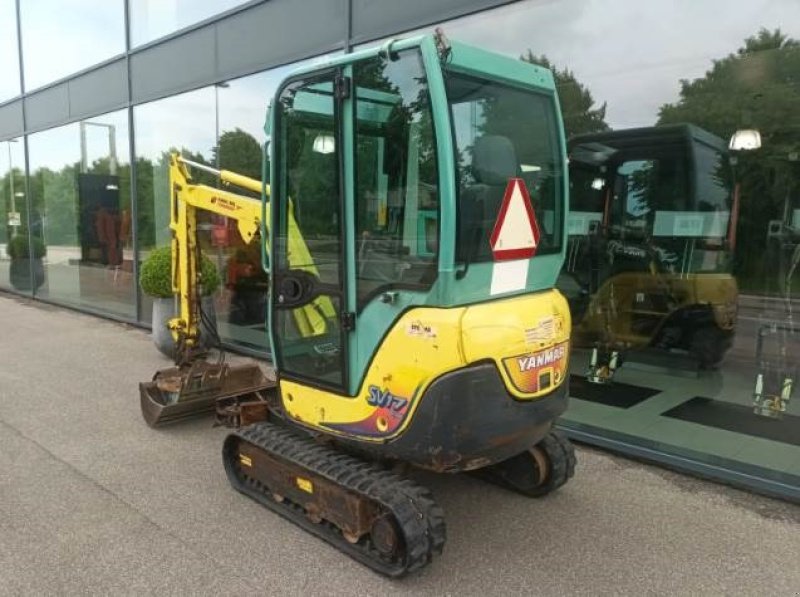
pixel 200 388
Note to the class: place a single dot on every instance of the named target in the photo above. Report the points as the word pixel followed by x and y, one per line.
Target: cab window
pixel 397 194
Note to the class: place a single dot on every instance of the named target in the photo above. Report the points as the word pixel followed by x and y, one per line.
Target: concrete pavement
pixel 92 501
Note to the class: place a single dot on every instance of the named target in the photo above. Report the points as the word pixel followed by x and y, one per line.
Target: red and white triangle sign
pixel 516 232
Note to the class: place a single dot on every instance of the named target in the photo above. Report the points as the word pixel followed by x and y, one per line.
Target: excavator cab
pixel 651 236
pixel 414 228
pixel 393 164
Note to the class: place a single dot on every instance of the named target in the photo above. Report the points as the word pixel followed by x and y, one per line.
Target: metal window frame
pixel 750 478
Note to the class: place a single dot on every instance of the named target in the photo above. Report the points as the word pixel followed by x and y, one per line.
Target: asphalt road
pixel 93 501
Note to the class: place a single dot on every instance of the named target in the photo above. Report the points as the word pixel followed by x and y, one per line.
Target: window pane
pixel 14 238
pixel 308 247
pixel 9 50
pixel 221 126
pixel 683 258
pixel 310 178
pixel 60 39
pixel 242 312
pixel 183 123
pixel 397 196
pixel 151 19
pixel 502 133
pixel 80 191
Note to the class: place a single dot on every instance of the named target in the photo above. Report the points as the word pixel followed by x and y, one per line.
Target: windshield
pixel 503 132
pixel 667 191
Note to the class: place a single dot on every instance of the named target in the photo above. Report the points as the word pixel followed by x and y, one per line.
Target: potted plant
pixel 20 251
pixel 155 278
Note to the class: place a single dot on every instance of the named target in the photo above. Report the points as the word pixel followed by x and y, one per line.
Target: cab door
pixel 310 321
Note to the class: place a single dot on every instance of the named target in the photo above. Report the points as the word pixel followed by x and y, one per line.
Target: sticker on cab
pixel 418 329
pixel 543 331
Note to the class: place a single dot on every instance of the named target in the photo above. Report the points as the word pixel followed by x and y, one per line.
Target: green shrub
pixel 155 274
pixel 18 247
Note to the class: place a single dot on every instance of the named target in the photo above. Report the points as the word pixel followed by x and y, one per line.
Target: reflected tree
pixel 577 104
pixel 239 152
pixel 754 87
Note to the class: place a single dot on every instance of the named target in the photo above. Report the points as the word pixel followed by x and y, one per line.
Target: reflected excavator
pixel 398 336
pixel 652 229
pixel 778 340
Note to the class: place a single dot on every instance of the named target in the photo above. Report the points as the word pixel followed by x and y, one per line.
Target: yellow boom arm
pixel 185 200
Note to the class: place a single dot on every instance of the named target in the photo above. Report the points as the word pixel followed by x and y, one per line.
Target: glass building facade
pixel 683 248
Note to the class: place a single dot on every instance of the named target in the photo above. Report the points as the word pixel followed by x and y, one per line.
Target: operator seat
pixel 494 163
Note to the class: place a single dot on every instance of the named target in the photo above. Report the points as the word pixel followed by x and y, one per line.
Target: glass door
pixel 309 303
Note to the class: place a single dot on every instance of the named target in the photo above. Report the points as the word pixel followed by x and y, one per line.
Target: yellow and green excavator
pixel 413 228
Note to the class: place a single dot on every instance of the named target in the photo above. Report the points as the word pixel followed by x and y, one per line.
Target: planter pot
pixel 164 310
pixel 20 274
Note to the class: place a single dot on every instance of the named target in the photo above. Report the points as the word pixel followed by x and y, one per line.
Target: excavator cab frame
pixel 392 109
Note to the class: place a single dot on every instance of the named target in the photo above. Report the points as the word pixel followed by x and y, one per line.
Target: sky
pixel 57 42
pixel 631 54
pixel 151 19
pixel 9 59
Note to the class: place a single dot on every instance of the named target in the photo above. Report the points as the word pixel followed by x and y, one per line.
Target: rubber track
pixel 419 517
pixel 561 457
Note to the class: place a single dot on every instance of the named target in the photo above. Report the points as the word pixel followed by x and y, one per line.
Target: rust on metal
pixel 322 499
pixel 385 535
pixel 179 393
pixel 243 410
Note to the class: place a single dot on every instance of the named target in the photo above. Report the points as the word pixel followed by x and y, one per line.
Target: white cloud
pixel 630 53
pixel 9 56
pixel 61 38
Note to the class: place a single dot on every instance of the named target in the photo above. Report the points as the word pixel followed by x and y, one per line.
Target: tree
pixel 239 152
pixel 577 104
pixel 754 87
pixel 54 204
pixel 12 183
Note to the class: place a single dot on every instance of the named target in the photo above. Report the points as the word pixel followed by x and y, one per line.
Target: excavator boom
pixel 196 386
pixel 186 199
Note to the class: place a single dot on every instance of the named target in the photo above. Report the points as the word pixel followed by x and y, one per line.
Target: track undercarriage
pixel 376 516
pixel 341 494
pixel 380 519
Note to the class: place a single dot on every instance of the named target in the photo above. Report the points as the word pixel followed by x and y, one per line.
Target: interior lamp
pixel 745 140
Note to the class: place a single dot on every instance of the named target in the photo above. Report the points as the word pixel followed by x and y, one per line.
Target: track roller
pixel 380 519
pixel 538 471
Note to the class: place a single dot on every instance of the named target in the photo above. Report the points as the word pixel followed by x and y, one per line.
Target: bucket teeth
pixel 180 393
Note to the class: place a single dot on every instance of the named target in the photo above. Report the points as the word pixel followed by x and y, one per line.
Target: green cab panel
pixel 427 146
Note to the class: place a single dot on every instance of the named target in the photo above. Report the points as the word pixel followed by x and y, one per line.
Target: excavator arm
pixel 186 199
pixel 237 393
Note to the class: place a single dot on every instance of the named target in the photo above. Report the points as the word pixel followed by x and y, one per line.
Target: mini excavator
pixel 652 229
pixel 412 229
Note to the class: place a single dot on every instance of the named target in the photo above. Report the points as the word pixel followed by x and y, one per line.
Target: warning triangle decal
pixel 516 231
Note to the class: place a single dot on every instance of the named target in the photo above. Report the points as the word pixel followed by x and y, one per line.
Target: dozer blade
pixel 193 390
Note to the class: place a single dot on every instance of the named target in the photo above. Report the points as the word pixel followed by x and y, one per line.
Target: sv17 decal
pixel 385 399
